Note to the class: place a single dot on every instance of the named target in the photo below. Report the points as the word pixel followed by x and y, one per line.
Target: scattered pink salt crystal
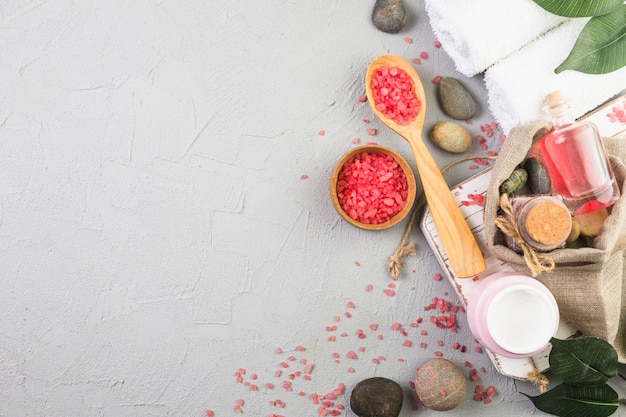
pixel 408 40
pixel 321 132
pixel 423 55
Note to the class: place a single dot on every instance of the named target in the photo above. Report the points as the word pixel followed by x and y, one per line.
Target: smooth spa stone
pixel 516 181
pixel 455 100
pixel 389 15
pixel 377 397
pixel 451 137
pixel 538 177
pixel 440 384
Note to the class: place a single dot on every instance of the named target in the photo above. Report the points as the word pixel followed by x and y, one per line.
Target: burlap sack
pixel 588 283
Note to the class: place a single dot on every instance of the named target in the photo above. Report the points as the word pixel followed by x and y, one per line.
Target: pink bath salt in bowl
pixel 394 95
pixel 372 187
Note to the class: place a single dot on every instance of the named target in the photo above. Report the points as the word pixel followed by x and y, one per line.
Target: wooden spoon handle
pixel 456 237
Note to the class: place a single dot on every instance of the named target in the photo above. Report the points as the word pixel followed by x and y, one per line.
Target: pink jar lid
pixel 512 314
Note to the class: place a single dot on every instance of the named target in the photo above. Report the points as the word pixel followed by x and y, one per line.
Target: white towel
pixel 478 33
pixel 517 85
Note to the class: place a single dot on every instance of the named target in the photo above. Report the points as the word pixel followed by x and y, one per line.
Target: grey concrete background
pixel 165 224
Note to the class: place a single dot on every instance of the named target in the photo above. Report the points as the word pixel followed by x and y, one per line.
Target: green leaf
pixel 579 8
pixel 584 361
pixel 601 45
pixel 570 401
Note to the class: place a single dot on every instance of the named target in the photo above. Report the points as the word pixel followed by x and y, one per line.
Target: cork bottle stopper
pixel 554 98
pixel 548 223
pixel 555 104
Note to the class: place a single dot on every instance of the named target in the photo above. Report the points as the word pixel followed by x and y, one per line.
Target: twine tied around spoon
pixel 536 262
pixel 404 249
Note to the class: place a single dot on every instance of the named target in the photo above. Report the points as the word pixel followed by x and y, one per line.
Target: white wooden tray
pixel 468 195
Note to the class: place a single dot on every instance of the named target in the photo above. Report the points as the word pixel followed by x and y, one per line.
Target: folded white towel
pixel 517 85
pixel 478 33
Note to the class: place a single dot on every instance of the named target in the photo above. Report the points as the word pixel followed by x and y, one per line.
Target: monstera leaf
pixel 585 362
pixel 571 401
pixel 601 45
pixel 579 8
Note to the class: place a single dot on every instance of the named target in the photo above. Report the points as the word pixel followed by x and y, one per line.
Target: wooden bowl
pixel 411 187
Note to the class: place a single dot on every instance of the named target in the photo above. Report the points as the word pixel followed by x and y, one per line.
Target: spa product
pixel 512 314
pixel 455 99
pixel 377 396
pixel 466 258
pixel 372 187
pixel 389 15
pixel 576 160
pixel 478 33
pixel 543 222
pixel 517 84
pixel 440 384
pixel 451 137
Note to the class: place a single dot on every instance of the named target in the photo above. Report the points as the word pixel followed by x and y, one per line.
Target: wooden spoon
pixel 456 237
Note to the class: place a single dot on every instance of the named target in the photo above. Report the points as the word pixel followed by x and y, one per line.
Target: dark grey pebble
pixel 538 177
pixel 455 100
pixel 377 397
pixel 389 15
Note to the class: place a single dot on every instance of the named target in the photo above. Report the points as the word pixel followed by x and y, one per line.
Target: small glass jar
pixel 544 222
pixel 512 314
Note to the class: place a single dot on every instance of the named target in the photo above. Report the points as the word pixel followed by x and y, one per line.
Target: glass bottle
pixel 576 160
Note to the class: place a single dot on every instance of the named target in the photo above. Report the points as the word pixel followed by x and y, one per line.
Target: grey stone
pixel 377 397
pixel 389 15
pixel 538 177
pixel 455 100
pixel 451 137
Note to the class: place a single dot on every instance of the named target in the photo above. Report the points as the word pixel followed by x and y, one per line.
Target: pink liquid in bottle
pixel 577 161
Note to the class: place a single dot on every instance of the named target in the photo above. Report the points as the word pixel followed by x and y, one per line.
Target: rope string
pixel 535 261
pixel 537 378
pixel 404 249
